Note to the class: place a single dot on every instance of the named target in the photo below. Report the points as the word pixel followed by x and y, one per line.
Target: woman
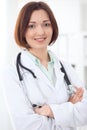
pixel 35 87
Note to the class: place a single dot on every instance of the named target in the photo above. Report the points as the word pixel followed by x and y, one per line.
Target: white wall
pixel 11 16
pixel 2 30
pixel 67 13
pixel 7 15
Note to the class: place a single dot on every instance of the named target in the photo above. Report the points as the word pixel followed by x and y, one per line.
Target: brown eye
pixel 47 24
pixel 31 26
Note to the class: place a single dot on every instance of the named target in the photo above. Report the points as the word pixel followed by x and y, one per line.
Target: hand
pixel 77 97
pixel 45 110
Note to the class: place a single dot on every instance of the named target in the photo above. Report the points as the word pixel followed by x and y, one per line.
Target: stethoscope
pixel 70 88
pixel 19 64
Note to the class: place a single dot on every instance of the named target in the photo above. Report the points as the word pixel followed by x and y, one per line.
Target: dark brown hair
pixel 24 18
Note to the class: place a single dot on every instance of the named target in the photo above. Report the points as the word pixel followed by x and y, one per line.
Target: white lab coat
pixel 21 95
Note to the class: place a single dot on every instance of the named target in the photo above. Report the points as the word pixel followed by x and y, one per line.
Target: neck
pixel 42 55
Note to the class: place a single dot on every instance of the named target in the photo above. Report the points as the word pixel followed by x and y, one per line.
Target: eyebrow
pixel 43 21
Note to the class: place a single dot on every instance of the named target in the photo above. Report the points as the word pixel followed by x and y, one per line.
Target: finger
pixel 80 93
pixel 75 98
pixel 37 110
pixel 79 89
pixel 78 99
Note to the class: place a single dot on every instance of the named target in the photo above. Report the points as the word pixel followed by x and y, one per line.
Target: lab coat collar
pixel 27 62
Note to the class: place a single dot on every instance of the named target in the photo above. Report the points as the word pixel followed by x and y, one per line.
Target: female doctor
pixel 36 91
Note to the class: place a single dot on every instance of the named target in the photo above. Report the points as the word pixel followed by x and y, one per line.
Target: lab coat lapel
pixel 41 76
pixel 59 76
pixel 26 61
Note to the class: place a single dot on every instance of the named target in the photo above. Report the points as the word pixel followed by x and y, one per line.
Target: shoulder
pixel 58 61
pixel 70 70
pixel 68 66
pixel 72 74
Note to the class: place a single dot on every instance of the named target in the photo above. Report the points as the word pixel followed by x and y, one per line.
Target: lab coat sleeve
pixel 68 114
pixel 23 116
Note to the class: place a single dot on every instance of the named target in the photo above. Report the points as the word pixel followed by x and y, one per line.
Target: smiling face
pixel 39 32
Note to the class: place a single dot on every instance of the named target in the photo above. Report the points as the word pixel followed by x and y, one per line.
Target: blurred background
pixel 71 45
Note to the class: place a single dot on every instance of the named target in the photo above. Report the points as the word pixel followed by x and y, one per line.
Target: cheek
pixel 28 35
pixel 50 33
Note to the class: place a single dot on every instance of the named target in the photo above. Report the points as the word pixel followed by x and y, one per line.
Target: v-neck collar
pixel 26 61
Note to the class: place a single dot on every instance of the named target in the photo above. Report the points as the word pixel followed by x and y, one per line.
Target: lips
pixel 40 39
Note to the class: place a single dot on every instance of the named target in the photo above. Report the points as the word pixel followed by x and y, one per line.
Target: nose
pixel 40 30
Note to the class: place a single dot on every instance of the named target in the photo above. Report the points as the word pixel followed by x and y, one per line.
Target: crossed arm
pixel 45 110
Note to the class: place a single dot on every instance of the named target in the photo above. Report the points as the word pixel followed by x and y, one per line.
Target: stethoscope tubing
pixel 19 64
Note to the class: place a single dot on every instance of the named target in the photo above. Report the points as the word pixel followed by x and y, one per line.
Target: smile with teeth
pixel 40 39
